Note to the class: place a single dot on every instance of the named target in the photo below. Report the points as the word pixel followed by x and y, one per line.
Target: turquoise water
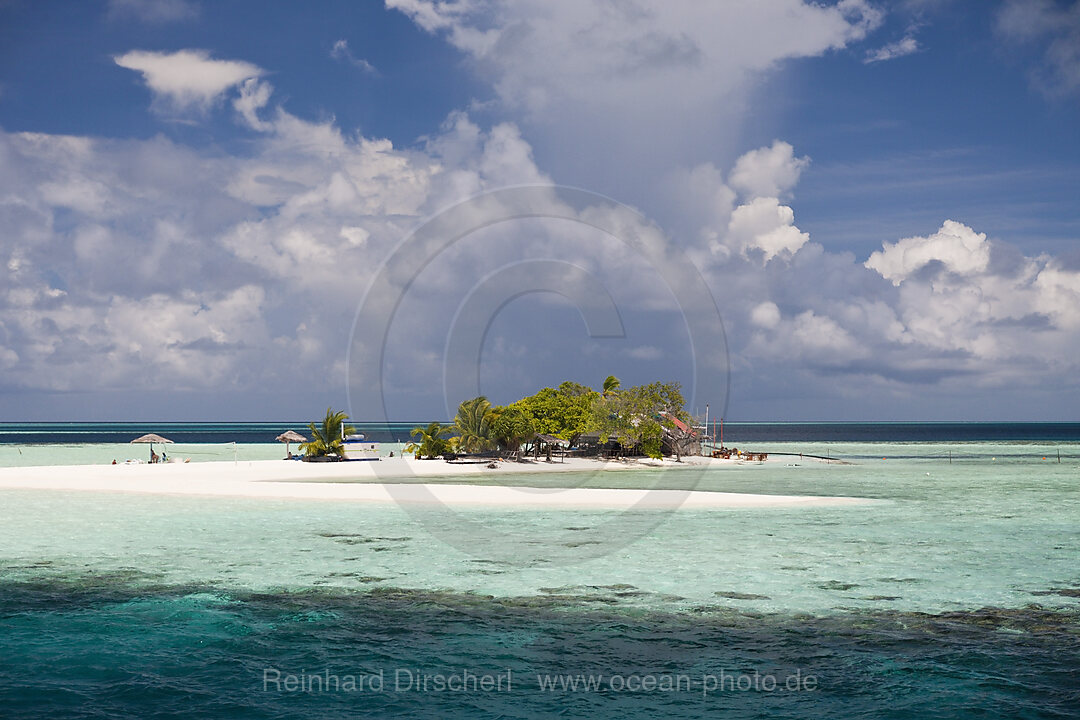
pixel 956 595
pixel 13 455
pixel 184 433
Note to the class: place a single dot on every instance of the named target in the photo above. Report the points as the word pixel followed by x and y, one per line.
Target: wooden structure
pixel 551 446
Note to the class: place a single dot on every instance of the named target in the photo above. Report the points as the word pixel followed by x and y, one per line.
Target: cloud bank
pixel 643 86
pixel 114 281
pixel 136 265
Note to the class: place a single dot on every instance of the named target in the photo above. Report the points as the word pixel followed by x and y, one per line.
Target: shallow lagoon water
pixel 955 595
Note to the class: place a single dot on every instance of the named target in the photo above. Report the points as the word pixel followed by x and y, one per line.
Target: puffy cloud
pixel 702 206
pixel 768 172
pixel 766 225
pixel 187 80
pixel 999 320
pixel 766 315
pixel 1058 294
pixel 956 247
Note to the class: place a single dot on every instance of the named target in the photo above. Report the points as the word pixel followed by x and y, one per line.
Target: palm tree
pixel 512 426
pixel 432 441
pixel 473 425
pixel 611 385
pixel 328 439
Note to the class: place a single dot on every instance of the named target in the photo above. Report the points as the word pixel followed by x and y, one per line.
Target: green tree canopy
pixel 513 426
pixel 637 416
pixel 562 412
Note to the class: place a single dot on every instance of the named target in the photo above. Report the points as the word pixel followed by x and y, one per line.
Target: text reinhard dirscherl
pixel 403 680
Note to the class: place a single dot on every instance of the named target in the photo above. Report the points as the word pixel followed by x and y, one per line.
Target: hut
pixel 551 445
pixel 589 445
pixel 681 439
pixel 290 436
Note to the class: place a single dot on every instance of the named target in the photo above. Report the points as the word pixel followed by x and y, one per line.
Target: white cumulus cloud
pixel 955 246
pixel 765 225
pixel 766 315
pixel 768 172
pixel 187 80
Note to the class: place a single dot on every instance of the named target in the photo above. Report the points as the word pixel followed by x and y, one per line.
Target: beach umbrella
pixel 290 437
pixel 150 439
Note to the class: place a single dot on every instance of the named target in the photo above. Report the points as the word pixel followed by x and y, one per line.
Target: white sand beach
pixel 374 482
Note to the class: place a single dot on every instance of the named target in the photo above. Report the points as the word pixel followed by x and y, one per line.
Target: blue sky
pixel 881 198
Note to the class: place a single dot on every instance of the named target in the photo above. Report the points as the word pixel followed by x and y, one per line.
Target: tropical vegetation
pixel 473 425
pixel 328 437
pixel 433 440
pixel 636 417
pixel 512 427
pixel 562 412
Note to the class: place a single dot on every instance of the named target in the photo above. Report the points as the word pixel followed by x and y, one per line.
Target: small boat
pixel 357 447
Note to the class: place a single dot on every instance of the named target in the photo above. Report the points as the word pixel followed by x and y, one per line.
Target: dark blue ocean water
pixel 265 432
pixel 110 647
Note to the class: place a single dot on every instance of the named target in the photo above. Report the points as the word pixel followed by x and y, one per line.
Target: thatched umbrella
pixel 151 439
pixel 290 437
